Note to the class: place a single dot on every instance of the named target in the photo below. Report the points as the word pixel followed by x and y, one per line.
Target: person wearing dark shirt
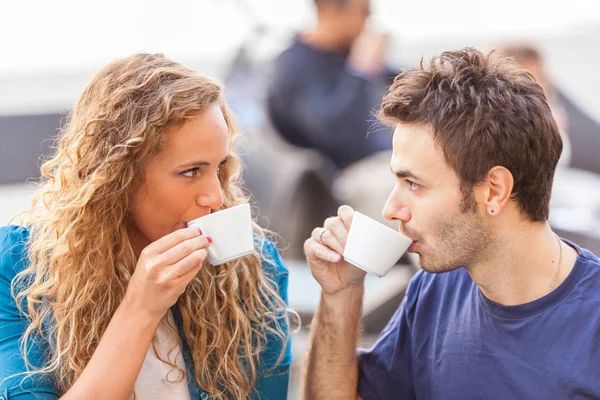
pixel 323 94
pixel 503 307
pixel 325 87
pixel 580 132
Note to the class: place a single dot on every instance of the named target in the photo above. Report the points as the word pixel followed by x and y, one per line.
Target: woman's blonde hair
pixel 81 258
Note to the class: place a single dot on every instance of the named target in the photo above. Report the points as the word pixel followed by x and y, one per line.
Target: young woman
pixel 104 290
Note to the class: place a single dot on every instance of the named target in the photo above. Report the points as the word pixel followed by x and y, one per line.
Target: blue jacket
pixel 13 259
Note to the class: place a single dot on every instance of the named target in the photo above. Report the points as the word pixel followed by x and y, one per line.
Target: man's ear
pixel 496 189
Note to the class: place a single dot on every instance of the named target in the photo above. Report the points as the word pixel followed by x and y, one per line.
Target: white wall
pixel 50 49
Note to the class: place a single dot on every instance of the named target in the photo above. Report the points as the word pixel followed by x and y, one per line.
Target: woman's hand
pixel 164 270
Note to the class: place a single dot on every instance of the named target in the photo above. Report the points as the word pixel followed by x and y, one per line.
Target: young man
pixel 503 309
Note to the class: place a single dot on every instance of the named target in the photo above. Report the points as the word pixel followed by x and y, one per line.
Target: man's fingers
pixel 315 250
pixel 336 234
pixel 326 254
pixel 345 213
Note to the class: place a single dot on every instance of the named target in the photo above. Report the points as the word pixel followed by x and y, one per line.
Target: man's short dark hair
pixel 484 111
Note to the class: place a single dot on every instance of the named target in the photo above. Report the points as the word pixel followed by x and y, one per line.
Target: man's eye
pixel 413 186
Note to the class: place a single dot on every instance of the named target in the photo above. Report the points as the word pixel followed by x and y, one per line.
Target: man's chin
pixel 435 268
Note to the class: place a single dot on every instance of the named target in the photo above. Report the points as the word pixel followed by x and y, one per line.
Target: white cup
pixel 231 232
pixel 372 246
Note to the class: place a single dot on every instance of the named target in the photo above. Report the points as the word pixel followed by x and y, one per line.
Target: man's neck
pixel 522 264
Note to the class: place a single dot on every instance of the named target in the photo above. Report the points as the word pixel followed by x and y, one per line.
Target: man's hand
pixel 324 252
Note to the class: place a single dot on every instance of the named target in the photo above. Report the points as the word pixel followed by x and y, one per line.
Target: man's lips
pixel 412 247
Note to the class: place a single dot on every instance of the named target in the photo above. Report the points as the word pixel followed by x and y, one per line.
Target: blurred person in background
pixel 104 291
pixel 580 133
pixel 323 93
pixel 503 308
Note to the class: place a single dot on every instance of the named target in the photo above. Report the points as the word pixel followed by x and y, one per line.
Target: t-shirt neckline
pixel 542 304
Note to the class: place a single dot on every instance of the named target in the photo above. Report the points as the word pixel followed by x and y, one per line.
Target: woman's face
pixel 181 183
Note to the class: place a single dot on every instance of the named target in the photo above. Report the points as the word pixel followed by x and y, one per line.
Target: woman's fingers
pixel 186 278
pixel 185 265
pixel 171 240
pixel 183 249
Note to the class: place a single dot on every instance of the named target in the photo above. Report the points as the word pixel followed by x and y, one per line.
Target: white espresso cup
pixel 230 231
pixel 372 246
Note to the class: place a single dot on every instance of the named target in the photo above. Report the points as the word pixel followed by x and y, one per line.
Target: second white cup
pixel 372 246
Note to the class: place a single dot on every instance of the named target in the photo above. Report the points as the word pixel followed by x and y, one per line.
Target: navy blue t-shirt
pixel 448 341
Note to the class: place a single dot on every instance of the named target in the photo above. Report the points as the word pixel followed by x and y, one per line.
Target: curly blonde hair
pixel 81 257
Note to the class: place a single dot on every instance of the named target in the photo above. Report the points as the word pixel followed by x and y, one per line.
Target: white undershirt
pixel 152 381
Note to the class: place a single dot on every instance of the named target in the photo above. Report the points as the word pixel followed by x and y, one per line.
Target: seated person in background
pixel 503 308
pixel 580 133
pixel 323 93
pixel 104 291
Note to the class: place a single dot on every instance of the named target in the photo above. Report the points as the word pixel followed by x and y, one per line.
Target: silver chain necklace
pixel 559 264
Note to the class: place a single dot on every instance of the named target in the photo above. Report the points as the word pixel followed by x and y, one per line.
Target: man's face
pixel 447 227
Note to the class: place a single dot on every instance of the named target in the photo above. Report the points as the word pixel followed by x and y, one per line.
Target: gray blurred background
pixel 51 50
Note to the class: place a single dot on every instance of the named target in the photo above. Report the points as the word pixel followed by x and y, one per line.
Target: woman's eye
pixel 220 167
pixel 190 173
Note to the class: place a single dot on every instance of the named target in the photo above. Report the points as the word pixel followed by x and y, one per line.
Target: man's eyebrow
pixel 402 174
